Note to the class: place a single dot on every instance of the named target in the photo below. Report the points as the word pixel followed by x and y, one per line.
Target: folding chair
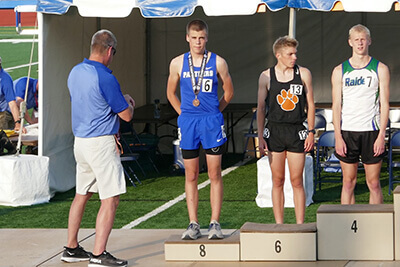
pixel 320 122
pixel 127 158
pixel 325 145
pixel 139 143
pixel 393 151
pixel 251 133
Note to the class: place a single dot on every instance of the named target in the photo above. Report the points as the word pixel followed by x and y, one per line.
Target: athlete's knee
pixel 190 178
pixel 349 184
pixel 214 175
pixel 297 183
pixel 374 185
pixel 278 182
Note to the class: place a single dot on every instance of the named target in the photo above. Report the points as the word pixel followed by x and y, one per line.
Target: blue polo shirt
pixel 6 90
pixel 32 97
pixel 96 100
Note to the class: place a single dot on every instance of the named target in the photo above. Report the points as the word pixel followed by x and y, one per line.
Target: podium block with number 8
pixel 202 249
pixel 355 232
pixel 278 242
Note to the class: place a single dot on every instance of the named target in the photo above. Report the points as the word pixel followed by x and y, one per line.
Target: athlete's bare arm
pixel 307 80
pixel 336 80
pixel 227 85
pixel 263 87
pixel 384 81
pixel 175 68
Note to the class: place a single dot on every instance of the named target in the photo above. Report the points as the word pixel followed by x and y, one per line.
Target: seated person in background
pixel 32 97
pixel 9 111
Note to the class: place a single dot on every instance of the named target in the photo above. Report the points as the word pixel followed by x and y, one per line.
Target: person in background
pixel 9 111
pixel 286 90
pixel 200 121
pixel 360 106
pixel 97 103
pixel 32 97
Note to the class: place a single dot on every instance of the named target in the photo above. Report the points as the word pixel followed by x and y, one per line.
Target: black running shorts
pixel 285 137
pixel 360 144
pixel 194 153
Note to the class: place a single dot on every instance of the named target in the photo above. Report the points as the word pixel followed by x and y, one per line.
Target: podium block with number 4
pixel 355 232
pixel 202 249
pixel 396 204
pixel 278 242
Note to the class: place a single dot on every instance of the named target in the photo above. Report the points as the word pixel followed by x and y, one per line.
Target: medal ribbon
pixel 196 87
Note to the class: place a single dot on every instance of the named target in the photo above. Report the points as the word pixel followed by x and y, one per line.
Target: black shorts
pixel 360 144
pixel 285 137
pixel 194 153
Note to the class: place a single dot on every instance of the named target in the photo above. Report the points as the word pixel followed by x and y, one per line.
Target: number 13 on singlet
pixel 296 89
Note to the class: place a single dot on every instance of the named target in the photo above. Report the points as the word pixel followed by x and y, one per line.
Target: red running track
pixel 7 18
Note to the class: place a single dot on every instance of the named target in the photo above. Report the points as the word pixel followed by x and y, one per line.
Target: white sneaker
pixel 192 232
pixel 214 230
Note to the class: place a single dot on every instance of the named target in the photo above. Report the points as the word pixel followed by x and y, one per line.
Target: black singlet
pixel 286 102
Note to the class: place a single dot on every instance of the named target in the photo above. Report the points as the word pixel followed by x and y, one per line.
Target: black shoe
pixel 105 259
pixel 75 254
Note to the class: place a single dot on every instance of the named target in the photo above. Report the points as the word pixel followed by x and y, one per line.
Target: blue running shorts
pixel 208 130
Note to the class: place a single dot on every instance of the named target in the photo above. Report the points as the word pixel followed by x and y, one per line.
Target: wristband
pixel 18 121
pixel 312 131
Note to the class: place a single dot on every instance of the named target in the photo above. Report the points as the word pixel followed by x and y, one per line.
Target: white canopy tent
pixel 147 41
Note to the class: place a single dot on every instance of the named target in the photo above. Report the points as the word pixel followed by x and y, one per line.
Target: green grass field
pixel 240 190
pixel 240 186
pixel 17 53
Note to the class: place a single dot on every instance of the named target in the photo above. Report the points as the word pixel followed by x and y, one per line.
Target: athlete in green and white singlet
pixel 360 111
pixel 360 91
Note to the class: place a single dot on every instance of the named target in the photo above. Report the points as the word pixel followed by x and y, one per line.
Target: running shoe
pixel 105 259
pixel 214 230
pixel 192 232
pixel 75 254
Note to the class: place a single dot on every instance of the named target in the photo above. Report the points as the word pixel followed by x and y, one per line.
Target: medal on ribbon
pixel 197 86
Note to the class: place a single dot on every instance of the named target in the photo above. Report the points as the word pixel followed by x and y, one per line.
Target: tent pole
pixel 148 61
pixel 292 23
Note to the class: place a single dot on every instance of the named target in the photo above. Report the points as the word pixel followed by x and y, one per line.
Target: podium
pixel 355 232
pixel 361 232
pixel 278 242
pixel 202 249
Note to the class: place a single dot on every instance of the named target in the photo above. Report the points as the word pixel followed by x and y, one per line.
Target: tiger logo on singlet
pixel 287 100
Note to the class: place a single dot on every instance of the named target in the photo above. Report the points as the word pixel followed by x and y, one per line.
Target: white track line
pixel 17 41
pixel 20 66
pixel 177 199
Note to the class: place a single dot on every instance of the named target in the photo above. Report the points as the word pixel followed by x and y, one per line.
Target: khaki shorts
pixel 6 120
pixel 98 167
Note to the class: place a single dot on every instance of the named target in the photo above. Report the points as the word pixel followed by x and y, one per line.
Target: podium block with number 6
pixel 355 232
pixel 278 242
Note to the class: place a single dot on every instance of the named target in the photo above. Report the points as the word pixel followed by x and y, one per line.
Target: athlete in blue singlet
pixel 200 120
pixel 360 105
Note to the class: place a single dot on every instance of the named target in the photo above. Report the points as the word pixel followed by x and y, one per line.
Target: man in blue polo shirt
pixel 32 97
pixel 97 104
pixel 9 111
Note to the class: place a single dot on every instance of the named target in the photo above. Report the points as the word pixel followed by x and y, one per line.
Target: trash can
pixel 178 165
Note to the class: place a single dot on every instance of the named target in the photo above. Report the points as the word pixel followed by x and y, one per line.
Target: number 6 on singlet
pixel 207 86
